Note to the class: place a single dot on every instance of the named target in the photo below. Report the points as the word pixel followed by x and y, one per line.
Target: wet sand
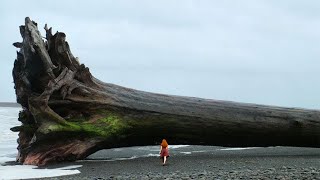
pixel 201 162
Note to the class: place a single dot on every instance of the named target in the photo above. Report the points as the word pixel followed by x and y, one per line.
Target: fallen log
pixel 68 114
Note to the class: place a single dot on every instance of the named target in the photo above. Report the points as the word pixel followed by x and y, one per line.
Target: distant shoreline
pixel 9 104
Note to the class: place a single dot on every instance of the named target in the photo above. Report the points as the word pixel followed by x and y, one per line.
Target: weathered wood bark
pixel 68 114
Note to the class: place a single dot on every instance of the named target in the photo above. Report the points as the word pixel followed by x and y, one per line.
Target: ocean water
pixel 8 152
pixel 8 139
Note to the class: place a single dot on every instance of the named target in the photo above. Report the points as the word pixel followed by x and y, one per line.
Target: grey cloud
pixel 251 51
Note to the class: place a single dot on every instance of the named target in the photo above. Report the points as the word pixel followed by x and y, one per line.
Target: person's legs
pixel 164 159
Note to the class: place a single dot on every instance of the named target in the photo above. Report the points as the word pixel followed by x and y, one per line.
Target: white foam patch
pixel 115 159
pixel 123 159
pixel 177 146
pixel 185 152
pixel 6 159
pixel 147 148
pixel 237 149
pixel 27 172
pixel 152 155
pixel 117 149
pixel 70 167
pixel 198 151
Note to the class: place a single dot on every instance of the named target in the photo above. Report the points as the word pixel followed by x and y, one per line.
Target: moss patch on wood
pixel 107 126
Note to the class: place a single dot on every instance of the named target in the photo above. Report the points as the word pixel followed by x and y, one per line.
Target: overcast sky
pixel 265 52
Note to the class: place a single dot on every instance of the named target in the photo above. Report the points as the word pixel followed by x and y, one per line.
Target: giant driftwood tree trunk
pixel 68 114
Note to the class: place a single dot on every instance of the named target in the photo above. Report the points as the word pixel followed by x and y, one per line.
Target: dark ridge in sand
pixel 205 163
pixel 9 104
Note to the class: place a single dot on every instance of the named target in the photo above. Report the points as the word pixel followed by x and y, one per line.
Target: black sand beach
pixel 201 162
